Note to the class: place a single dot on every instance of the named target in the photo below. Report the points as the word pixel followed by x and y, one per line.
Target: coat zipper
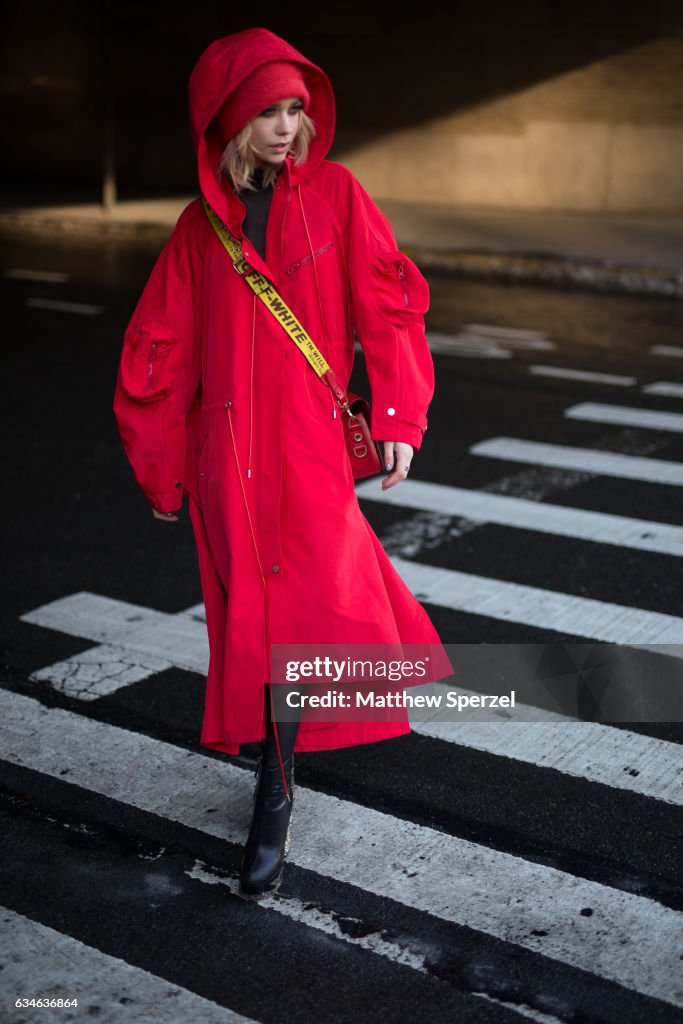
pixel 150 368
pixel 307 259
pixel 402 277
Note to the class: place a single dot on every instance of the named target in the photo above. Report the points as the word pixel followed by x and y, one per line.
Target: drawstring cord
pixel 265 604
pixel 251 381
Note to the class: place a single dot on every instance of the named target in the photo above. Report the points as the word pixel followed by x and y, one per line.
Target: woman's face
pixel 274 130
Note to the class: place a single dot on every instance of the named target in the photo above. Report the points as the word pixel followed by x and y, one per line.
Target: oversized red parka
pixel 214 401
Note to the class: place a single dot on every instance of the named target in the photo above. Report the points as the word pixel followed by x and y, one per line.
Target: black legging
pixel 286 734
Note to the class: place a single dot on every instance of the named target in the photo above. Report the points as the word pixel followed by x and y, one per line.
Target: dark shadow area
pixel 390 67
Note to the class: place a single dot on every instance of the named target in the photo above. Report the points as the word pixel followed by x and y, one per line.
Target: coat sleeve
pixel 158 377
pixel 389 297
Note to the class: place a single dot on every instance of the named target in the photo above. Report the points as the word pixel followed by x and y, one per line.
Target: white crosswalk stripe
pixel 588 376
pixel 65 968
pixel 664 387
pixel 583 460
pixel 99 671
pixel 484 507
pixel 376 942
pixel 102 670
pixel 46 276
pixel 588 750
pixel 515 337
pixel 627 939
pixel 625 416
pixel 666 350
pixel 535 606
pixel 127 630
pixel 466 345
pixel 62 306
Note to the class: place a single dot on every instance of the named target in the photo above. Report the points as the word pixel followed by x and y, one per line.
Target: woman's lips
pixel 280 145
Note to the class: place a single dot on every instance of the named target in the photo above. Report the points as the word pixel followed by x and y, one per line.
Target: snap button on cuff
pixel 276 568
pixel 391 411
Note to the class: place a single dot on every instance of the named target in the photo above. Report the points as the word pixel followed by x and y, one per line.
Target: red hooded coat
pixel 214 401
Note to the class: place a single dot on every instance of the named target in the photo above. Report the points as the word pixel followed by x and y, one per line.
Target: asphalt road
pixel 497 873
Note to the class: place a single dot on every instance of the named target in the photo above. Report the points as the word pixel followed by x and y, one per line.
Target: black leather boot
pixel 264 854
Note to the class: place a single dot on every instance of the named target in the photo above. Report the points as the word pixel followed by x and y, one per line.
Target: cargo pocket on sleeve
pixel 146 374
pixel 401 292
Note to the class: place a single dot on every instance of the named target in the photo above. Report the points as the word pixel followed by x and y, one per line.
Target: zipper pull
pixel 150 368
pixel 402 277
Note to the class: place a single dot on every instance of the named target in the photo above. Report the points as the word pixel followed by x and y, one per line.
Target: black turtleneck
pixel 257 205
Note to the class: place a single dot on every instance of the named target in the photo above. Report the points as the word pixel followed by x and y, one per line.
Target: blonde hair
pixel 238 161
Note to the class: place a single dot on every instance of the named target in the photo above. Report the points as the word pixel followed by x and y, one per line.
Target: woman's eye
pixel 271 111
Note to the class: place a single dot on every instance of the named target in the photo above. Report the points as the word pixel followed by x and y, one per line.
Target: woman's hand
pixel 168 517
pixel 397 456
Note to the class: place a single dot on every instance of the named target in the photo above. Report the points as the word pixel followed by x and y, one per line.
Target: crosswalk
pixel 521 513
pixel 410 883
pixel 71 971
pixel 581 460
pixel 569 373
pixel 424 869
pixel 537 606
pixel 624 415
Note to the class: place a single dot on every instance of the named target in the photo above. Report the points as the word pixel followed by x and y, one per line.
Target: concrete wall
pixel 605 137
pixel 563 105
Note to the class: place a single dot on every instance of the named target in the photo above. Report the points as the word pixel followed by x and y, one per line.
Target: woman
pixel 214 401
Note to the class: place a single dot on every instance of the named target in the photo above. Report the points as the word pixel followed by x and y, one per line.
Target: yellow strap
pixel 268 295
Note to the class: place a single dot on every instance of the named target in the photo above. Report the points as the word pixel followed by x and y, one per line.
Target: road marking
pixel 322 920
pixel 584 375
pixel 583 460
pixel 536 606
pixel 48 276
pixel 355 932
pixel 630 940
pixel 178 639
pixel 617 758
pixel 65 307
pixel 67 968
pixel 595 412
pixel 521 513
pixel 102 670
pixel 465 345
pixel 664 387
pixel 666 350
pixel 515 337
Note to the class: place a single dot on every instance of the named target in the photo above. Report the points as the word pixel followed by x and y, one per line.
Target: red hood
pixel 217 73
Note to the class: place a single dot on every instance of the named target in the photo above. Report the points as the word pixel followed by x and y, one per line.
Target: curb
pixel 551 270
pixel 82 228
pixel 554 271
